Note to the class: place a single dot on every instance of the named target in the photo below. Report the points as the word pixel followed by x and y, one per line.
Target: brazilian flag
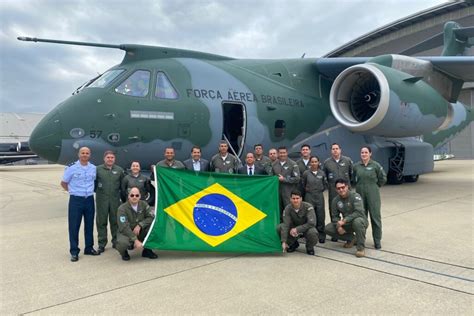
pixel 204 211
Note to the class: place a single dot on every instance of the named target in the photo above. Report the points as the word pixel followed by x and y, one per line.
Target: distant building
pixel 409 31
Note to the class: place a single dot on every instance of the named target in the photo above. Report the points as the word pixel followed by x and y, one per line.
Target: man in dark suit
pixel 250 168
pixel 196 163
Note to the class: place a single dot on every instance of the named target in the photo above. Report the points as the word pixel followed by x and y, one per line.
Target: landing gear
pixel 411 179
pixel 396 163
pixel 395 177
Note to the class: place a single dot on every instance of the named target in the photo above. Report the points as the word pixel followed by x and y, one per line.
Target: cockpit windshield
pixel 136 85
pixel 164 89
pixel 106 78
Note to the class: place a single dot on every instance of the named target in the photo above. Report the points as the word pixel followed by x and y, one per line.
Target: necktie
pixel 250 171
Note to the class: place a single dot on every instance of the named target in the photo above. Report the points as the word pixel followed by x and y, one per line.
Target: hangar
pixel 409 31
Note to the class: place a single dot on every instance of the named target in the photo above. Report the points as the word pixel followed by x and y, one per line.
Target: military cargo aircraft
pixel 158 97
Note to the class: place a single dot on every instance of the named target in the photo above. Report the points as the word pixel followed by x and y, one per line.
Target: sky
pixel 35 77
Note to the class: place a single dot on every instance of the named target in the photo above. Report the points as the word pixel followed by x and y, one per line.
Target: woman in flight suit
pixel 368 176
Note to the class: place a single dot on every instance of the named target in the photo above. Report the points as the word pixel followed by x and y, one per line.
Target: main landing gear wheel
pixel 412 178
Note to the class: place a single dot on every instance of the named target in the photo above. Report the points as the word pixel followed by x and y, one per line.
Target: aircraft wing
pixel 460 67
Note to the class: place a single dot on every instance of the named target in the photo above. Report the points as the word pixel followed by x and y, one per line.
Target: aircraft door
pixel 234 126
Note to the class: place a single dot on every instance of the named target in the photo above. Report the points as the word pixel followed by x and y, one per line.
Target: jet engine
pixel 374 99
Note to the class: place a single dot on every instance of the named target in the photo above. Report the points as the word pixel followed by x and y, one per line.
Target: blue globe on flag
pixel 215 214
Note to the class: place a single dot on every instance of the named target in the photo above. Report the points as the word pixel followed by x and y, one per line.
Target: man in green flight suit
pixel 349 206
pixel 108 184
pixel 288 175
pixel 134 219
pixel 223 161
pixel 336 167
pixel 169 161
pixel 298 219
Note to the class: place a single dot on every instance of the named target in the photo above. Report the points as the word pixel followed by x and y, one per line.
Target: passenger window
pixel 280 127
pixel 136 85
pixel 164 89
pixel 105 79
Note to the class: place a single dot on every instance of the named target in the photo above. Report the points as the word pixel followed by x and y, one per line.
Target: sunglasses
pixel 134 195
pixel 340 188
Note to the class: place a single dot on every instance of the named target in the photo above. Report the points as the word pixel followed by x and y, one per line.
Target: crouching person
pixel 134 218
pixel 348 217
pixel 299 219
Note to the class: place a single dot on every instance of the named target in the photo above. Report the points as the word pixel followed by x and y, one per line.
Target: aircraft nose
pixel 45 140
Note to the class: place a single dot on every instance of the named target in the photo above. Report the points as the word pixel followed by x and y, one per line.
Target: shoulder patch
pixel 340 204
pixel 123 219
pixel 70 164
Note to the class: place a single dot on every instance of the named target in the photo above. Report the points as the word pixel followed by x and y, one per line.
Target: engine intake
pixel 377 100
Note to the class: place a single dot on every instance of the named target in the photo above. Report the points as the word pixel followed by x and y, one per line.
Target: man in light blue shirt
pixel 78 180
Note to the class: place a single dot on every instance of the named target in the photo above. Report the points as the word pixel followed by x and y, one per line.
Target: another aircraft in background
pixel 158 97
pixel 12 152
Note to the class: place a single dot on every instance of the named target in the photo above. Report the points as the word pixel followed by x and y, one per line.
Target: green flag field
pixel 204 211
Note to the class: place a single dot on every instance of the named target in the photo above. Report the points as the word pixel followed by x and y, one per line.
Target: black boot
pixel 148 253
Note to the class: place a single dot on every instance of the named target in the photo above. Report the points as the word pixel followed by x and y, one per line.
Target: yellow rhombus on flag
pixel 198 214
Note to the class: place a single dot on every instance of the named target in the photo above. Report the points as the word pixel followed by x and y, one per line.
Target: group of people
pixel 349 210
pixel 129 221
pixel 123 200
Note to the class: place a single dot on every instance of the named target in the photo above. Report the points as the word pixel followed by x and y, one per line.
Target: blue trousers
pixel 81 207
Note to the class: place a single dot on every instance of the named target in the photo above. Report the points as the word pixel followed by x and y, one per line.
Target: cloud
pixel 36 76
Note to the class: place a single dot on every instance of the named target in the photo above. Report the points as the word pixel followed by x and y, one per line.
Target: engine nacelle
pixel 378 100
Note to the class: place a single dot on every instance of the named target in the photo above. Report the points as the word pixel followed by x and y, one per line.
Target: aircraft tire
pixel 411 179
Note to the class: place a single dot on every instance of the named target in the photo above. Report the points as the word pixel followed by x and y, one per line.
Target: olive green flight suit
pixel 314 186
pixel 304 221
pixel 291 174
pixel 265 163
pixel 127 219
pixel 228 165
pixel 336 170
pixel 352 211
pixel 302 166
pixel 175 164
pixel 108 186
pixel 367 181
pixel 141 182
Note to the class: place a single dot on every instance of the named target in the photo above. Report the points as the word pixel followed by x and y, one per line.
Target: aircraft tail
pixel 455 39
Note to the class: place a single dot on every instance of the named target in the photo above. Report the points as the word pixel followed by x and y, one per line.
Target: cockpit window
pixel 164 88
pixel 136 85
pixel 105 79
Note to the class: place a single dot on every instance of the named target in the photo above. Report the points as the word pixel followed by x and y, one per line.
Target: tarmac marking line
pixel 396 275
pixel 408 267
pixel 130 285
pixel 412 267
pixel 421 258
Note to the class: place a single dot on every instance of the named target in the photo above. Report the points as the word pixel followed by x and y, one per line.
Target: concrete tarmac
pixel 426 265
